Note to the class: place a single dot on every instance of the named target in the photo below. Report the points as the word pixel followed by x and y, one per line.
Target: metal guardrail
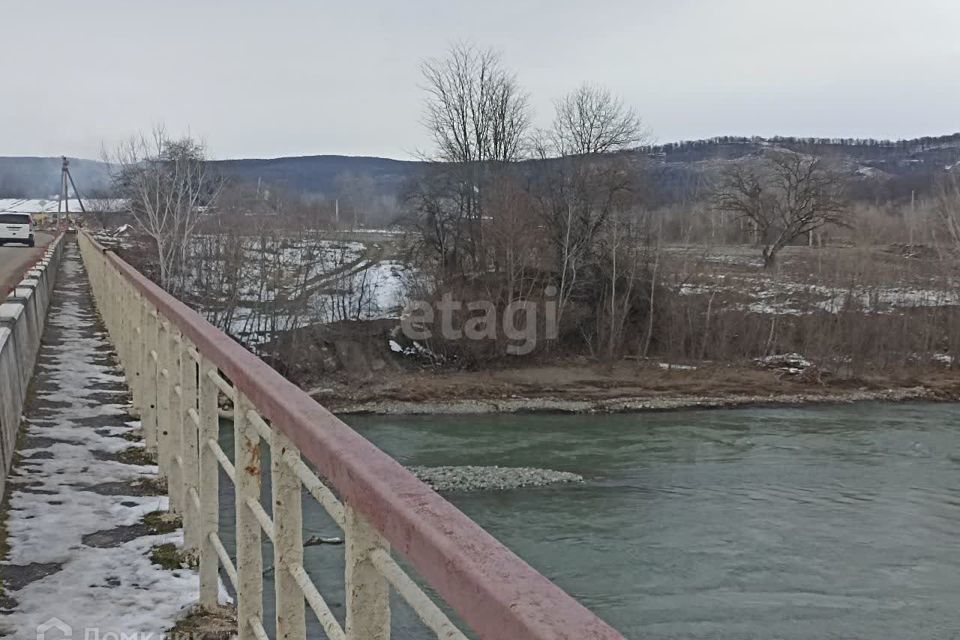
pixel 22 317
pixel 177 364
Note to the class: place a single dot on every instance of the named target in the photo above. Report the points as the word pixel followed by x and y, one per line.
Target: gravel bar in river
pixel 477 478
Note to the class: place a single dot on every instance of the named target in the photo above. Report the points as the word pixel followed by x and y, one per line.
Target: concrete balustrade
pixel 22 317
pixel 178 366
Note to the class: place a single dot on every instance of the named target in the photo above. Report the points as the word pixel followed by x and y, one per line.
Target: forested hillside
pixel 881 170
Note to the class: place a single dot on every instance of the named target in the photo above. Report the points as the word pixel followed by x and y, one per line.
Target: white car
pixel 16 227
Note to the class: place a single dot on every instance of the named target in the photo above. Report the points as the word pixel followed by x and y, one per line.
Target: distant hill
pixel 882 170
pixel 29 177
pixel 320 174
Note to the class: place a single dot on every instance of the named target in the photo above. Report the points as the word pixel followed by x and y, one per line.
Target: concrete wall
pixel 22 317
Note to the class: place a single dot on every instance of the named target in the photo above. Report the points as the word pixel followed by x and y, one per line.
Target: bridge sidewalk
pixel 79 542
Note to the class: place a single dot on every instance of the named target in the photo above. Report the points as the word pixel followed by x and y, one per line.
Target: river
pixel 821 522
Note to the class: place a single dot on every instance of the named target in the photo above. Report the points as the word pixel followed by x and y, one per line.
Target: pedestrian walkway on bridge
pixel 78 546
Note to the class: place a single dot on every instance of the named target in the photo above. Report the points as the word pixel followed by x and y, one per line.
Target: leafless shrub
pixel 260 276
pixel 947 207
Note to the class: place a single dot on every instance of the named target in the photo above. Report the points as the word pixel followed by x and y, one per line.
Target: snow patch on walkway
pixel 116 589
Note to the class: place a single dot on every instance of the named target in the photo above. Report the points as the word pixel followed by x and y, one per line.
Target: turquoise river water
pixel 822 522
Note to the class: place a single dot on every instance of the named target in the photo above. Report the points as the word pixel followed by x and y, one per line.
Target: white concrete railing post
pixel 108 308
pixel 164 387
pixel 135 350
pixel 132 367
pixel 175 481
pixel 122 326
pixel 249 553
pixel 367 591
pixel 149 415
pixel 209 483
pixel 189 452
pixel 287 539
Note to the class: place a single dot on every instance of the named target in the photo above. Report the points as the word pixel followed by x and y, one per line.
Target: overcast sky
pixel 265 79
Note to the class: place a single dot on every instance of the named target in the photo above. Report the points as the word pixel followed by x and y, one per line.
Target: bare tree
pixel 575 199
pixel 475 109
pixel 784 198
pixel 578 189
pixel 168 185
pixel 478 117
pixel 104 209
pixel 355 193
pixel 947 206
pixel 592 120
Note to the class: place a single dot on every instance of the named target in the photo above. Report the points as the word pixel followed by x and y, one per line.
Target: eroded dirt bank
pixel 584 387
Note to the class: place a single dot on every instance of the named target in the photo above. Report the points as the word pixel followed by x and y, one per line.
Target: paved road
pixel 14 259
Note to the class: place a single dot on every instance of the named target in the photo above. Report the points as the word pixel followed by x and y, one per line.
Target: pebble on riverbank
pixel 475 478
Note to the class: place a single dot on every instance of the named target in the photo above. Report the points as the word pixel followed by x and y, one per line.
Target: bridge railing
pixel 178 365
pixel 22 317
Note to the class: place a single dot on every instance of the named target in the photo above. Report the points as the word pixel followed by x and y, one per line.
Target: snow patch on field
pixel 49 205
pixel 677 367
pixel 945 359
pixel 282 284
pixel 783 297
pixel 791 363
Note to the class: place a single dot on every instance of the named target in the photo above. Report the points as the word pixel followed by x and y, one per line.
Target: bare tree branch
pixel 592 120
pixel 168 185
pixel 947 206
pixel 475 109
pixel 785 197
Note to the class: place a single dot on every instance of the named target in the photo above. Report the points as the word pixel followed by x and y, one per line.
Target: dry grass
pixel 206 623
pixel 851 309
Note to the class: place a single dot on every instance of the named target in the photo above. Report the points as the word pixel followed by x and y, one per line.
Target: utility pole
pixel 66 181
pixel 62 201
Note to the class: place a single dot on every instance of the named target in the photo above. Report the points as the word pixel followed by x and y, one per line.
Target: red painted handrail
pixel 495 592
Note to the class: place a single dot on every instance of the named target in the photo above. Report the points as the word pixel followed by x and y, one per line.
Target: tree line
pixel 904 145
pixel 507 211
